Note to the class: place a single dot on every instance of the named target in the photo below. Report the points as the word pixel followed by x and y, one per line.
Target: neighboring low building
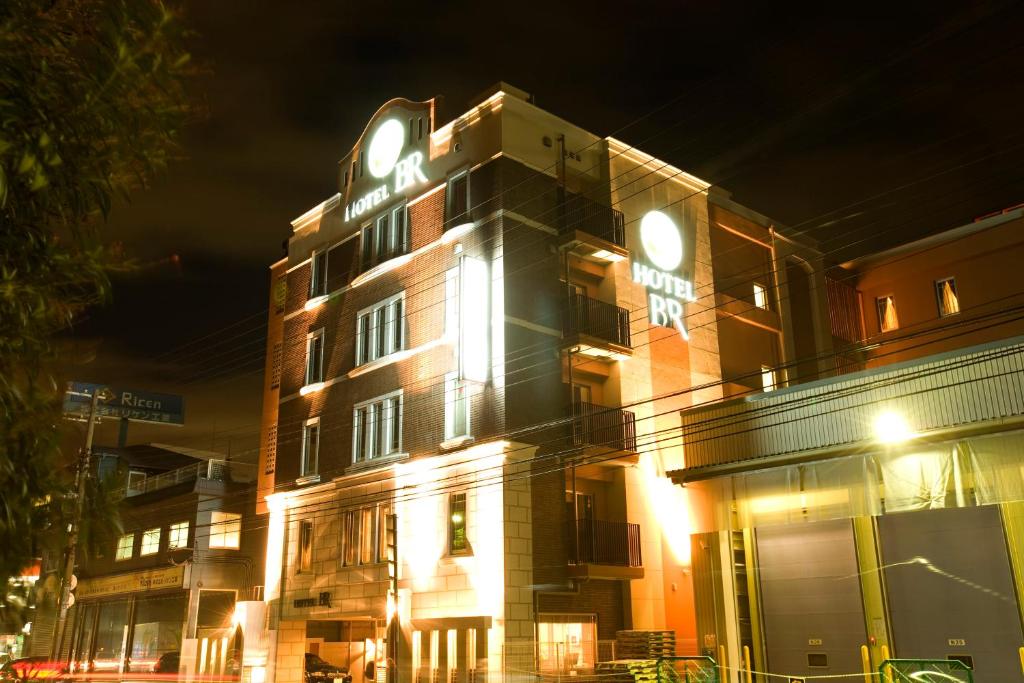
pixel 884 507
pixel 169 585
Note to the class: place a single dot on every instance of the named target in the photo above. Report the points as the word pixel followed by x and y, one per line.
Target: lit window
pixel 457 201
pixel 125 547
pixel 177 536
pixel 887 319
pixel 767 378
pixel 150 542
pixel 946 297
pixel 225 529
pixel 377 428
pixel 456 407
pixel 315 357
pixel 318 274
pixel 458 543
pixel 311 447
pixel 380 329
pixel 383 515
pixel 385 237
pixel 366 549
pixel 760 296
pixel 305 562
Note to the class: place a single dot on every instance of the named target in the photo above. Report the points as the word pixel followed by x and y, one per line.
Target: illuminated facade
pixel 883 508
pixel 463 373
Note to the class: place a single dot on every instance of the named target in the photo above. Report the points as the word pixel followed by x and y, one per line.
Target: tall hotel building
pixel 479 352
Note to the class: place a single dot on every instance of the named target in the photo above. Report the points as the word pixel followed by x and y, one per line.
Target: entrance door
pixel 810 598
pixel 950 589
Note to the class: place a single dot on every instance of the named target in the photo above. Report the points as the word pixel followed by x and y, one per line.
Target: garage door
pixel 950 589
pixel 810 598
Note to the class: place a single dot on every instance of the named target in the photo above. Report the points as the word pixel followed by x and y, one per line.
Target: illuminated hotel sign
pixel 666 291
pixel 382 158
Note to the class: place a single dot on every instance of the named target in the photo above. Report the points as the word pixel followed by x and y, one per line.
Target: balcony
pixel 211 470
pixel 591 230
pixel 596 328
pixel 604 550
pixel 611 428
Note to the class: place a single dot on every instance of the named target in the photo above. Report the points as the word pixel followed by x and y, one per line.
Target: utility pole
pixel 81 475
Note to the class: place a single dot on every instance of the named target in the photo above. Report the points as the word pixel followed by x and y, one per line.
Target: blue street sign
pixel 139 406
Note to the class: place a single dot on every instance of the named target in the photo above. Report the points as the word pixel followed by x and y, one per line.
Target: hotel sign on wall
pixel 660 270
pixel 385 162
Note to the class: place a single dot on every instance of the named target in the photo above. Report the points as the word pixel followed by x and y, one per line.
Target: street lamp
pixel 892 428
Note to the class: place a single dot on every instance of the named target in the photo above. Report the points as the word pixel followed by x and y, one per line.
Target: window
pixel 760 296
pixel 377 428
pixel 125 547
pixel 178 536
pixel 225 529
pixel 887 320
pixel 946 297
pixel 566 642
pixel 318 274
pixel 305 559
pixel 380 329
pixel 458 544
pixel 136 482
pixel 457 200
pixel 310 447
pixel 456 407
pixel 451 305
pixel 150 542
pixel 767 378
pixel 315 357
pixel 364 535
pixel 385 237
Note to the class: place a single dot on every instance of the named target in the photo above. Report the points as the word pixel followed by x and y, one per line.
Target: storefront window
pixel 84 632
pixel 111 633
pixel 567 643
pixel 158 622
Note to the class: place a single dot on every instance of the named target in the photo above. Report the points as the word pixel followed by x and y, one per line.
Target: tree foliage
pixel 92 99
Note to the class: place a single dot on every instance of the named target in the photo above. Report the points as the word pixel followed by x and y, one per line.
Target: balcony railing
pixel 212 470
pixel 595 541
pixel 583 315
pixel 594 425
pixel 586 215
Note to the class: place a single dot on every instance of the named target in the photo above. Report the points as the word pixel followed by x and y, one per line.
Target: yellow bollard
pixel 865 663
pixel 1020 651
pixel 746 664
pixel 885 656
pixel 721 662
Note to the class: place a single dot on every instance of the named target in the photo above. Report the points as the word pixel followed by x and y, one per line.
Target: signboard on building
pixel 661 270
pixel 139 406
pixel 384 157
pixel 133 582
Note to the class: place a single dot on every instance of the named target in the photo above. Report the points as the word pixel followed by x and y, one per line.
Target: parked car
pixel 169 663
pixel 33 668
pixel 319 671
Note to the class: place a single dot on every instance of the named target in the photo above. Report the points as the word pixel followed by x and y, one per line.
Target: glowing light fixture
pixel 892 428
pixel 315 302
pixel 311 388
pixel 608 256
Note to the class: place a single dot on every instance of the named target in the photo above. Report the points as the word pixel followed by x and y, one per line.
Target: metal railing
pixel 594 425
pixel 596 541
pixel 212 470
pixel 583 315
pixel 586 215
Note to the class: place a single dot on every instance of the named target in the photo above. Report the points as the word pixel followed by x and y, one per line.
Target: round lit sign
pixel 385 147
pixel 661 240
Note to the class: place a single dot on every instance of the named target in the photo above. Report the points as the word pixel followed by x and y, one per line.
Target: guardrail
pixel 212 470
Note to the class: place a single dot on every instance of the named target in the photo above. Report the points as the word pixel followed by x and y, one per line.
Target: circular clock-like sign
pixel 385 146
pixel 661 240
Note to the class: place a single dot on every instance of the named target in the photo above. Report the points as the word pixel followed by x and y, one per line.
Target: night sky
pixel 864 128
